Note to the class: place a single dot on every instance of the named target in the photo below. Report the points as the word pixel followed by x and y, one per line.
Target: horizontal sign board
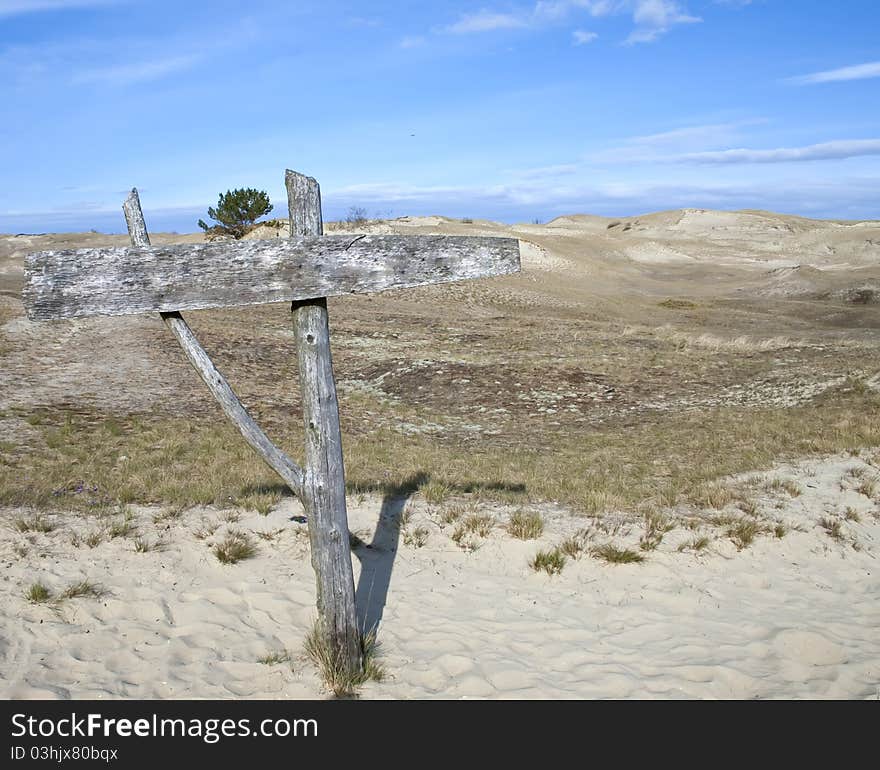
pixel 121 281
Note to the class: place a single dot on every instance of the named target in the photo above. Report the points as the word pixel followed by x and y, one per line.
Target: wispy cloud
pixel 485 21
pixel 20 7
pixel 856 72
pixel 661 147
pixel 836 150
pixel 706 133
pixel 651 18
pixel 127 74
pixel 582 37
pixel 654 18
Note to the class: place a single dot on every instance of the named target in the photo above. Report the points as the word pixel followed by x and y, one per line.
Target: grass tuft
pixel 744 532
pixel 785 485
pixel 416 538
pixel 696 544
pixel 551 562
pixel 614 555
pixel 335 670
pixel 574 546
pixel 832 527
pixel 38 593
pixel 274 658
pixel 234 547
pixel 435 492
pixel 32 524
pixel 526 525
pixel 82 589
pixel 142 545
pixel 656 526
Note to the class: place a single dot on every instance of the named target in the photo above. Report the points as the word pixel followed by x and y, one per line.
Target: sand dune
pixel 662 319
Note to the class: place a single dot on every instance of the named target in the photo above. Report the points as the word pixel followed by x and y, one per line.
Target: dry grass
pixel 664 461
pixel 37 593
pixel 785 485
pixel 478 524
pixel 142 545
pixel 657 524
pixel 743 532
pixel 526 525
pixel 574 545
pixel 32 524
pixel 452 513
pixel 868 488
pixel 417 538
pixel 832 527
pixel 550 562
pixel 82 589
pixel 274 658
pixel 470 529
pixel 696 544
pixel 435 492
pixel 234 547
pixel 337 674
pixel 92 539
pixel 614 555
pixel 712 495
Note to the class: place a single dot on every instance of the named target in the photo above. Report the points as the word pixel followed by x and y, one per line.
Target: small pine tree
pixel 236 212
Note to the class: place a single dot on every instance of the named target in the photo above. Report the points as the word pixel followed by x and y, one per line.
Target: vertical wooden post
pixel 324 473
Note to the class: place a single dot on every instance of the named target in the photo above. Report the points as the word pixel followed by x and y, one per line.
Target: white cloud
pixel 126 74
pixel 582 37
pixel 485 21
pixel 660 147
pixel 856 72
pixel 19 7
pixel 710 132
pixel 836 150
pixel 652 18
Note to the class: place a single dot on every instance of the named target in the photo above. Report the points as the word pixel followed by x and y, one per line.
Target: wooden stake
pixel 324 477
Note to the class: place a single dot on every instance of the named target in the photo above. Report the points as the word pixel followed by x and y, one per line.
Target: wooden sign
pixel 121 281
pixel 304 270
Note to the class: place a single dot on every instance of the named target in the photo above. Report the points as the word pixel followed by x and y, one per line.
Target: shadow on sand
pixel 377 557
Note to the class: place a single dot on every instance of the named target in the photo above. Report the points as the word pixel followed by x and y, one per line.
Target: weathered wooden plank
pixel 121 281
pixel 324 478
pixel 216 382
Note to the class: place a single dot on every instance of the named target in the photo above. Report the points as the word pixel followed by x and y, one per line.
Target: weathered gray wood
pixel 216 382
pixel 120 281
pixel 304 204
pixel 134 219
pixel 324 478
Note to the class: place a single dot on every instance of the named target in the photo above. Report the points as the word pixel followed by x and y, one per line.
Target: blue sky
pixel 505 109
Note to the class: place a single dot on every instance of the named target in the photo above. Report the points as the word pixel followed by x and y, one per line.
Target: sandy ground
pixel 795 617
pixel 789 617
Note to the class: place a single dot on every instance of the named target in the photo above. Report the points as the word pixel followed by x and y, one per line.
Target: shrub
pixel 357 216
pixel 236 212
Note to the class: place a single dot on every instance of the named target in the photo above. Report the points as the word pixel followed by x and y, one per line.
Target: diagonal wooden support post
pixel 324 476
